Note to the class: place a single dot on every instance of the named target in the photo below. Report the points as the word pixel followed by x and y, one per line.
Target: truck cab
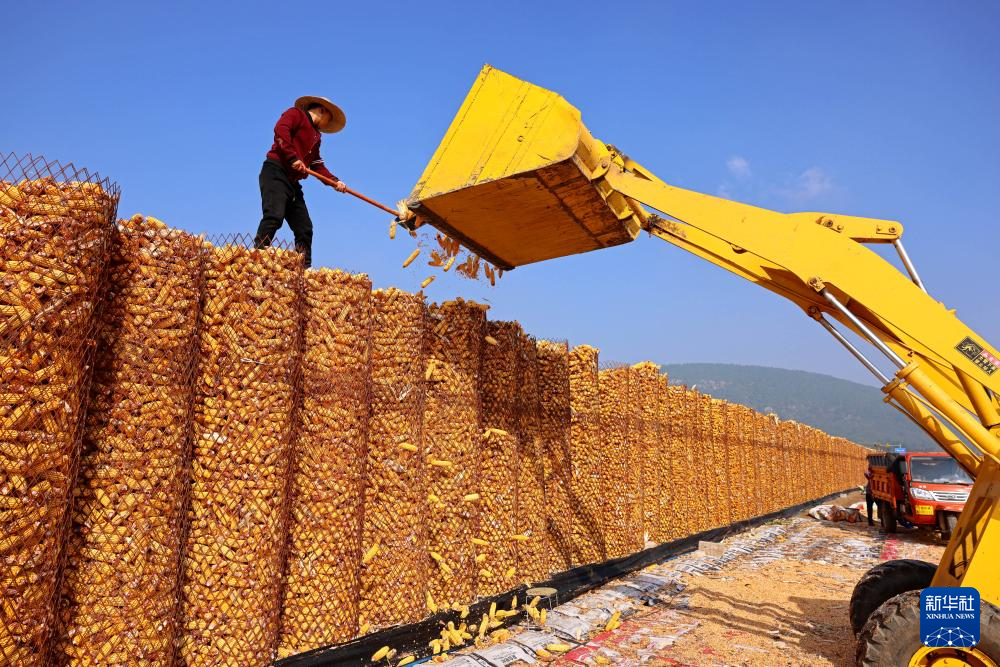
pixel 926 489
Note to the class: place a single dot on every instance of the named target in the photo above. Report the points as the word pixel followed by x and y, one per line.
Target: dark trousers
pixel 869 503
pixel 281 199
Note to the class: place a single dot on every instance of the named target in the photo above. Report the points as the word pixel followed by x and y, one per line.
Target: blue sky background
pixel 881 109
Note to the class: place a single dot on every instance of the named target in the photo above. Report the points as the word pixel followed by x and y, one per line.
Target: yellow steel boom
pixel 519 179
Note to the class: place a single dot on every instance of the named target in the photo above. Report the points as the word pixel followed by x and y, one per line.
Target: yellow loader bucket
pixel 514 178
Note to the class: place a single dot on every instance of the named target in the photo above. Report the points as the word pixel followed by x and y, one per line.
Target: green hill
pixel 839 407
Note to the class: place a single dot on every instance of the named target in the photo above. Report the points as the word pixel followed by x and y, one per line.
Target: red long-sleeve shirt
pixel 296 138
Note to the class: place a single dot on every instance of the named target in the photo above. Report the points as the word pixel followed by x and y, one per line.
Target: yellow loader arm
pixel 519 179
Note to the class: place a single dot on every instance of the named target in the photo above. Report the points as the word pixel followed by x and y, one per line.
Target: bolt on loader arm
pixel 519 179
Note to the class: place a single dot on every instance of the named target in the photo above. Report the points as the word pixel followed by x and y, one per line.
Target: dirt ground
pixel 787 605
pixel 773 596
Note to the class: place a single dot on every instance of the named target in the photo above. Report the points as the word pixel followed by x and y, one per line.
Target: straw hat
pixel 337 118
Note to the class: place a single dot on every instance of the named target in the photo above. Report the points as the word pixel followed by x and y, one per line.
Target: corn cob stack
pixel 616 457
pixel 539 558
pixel 119 588
pixel 739 492
pixel 498 462
pixel 743 442
pixel 454 333
pixel 648 453
pixel 553 389
pixel 321 589
pixel 53 245
pixel 397 509
pixel 585 454
pixel 664 521
pixel 783 445
pixel 700 505
pixel 763 448
pixel 678 481
pixel 720 471
pixel 245 396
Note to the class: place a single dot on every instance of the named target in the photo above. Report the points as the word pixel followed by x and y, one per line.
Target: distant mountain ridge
pixel 839 407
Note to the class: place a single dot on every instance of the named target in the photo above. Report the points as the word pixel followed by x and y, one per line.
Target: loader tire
pixel 891 637
pixel 884 581
pixel 887 517
pixel 948 523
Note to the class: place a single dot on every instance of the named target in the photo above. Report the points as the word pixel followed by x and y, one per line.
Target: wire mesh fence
pixel 55 223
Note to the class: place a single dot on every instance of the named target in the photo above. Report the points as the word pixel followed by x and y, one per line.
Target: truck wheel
pixel 887 517
pixel 891 638
pixel 884 581
pixel 948 523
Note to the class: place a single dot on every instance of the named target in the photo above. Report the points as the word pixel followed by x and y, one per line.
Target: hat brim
pixel 337 117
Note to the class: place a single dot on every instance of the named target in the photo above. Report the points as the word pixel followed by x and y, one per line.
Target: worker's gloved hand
pixel 339 186
pixel 300 167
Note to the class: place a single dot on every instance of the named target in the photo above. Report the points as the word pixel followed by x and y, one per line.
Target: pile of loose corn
pixel 250 340
pixel 395 570
pixel 119 586
pixel 321 588
pixel 53 246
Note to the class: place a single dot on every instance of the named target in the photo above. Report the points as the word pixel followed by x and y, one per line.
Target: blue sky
pixel 881 109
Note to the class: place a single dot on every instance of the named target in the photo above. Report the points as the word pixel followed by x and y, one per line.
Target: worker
pixel 869 498
pixel 294 152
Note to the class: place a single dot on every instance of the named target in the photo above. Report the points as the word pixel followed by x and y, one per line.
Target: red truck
pixel 926 489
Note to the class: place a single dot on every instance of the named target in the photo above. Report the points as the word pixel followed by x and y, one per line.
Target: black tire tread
pixel 884 581
pixel 898 620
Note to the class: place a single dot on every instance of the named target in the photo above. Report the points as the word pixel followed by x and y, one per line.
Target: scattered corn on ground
pixel 348 460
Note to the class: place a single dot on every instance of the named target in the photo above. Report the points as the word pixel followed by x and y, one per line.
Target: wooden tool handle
pixel 357 194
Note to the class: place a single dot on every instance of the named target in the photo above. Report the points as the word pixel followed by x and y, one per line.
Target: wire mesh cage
pixel 119 590
pixel 499 461
pixel 321 587
pixel 55 223
pixel 585 454
pixel 454 333
pixel 245 402
pixel 537 558
pixel 395 570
